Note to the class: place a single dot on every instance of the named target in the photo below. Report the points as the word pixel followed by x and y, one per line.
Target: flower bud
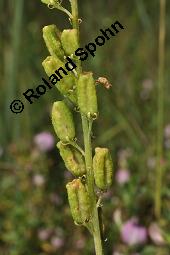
pixel 86 94
pixel 69 40
pixel 66 85
pixel 62 120
pixel 103 168
pixel 51 37
pixel 79 201
pixel 73 159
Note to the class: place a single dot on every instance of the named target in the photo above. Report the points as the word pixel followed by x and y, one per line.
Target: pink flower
pixel 122 176
pixel 57 242
pixel 43 234
pixel 44 141
pixel 155 234
pixel 132 233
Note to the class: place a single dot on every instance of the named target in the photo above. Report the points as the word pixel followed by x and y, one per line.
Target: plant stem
pixel 160 117
pixel 12 69
pixel 90 185
pixel 87 125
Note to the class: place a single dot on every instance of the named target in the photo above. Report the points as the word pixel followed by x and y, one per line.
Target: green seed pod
pixel 69 41
pixel 86 95
pixel 62 120
pixel 51 36
pixel 73 159
pixel 51 64
pixel 103 168
pixel 79 201
pixel 66 85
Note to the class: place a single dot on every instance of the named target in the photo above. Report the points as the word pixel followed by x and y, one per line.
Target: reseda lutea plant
pixel 93 175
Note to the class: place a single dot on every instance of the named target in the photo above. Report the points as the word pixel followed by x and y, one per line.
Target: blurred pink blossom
pixel 132 233
pixel 43 234
pixel 57 242
pixel 38 180
pixel 44 141
pixel 155 234
pixel 122 176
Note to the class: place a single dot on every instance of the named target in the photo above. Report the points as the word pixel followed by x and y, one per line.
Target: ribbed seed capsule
pixel 79 201
pixel 66 85
pixel 73 159
pixel 103 168
pixel 86 95
pixel 62 121
pixel 51 36
pixel 51 64
pixel 69 41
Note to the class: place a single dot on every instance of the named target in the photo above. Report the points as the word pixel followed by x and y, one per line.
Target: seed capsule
pixel 51 37
pixel 86 95
pixel 79 201
pixel 103 168
pixel 51 64
pixel 66 85
pixel 73 159
pixel 69 41
pixel 62 120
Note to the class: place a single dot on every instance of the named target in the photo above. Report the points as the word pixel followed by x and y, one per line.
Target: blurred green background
pixel 34 213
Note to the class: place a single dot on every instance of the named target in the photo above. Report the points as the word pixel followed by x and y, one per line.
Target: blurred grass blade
pixel 11 69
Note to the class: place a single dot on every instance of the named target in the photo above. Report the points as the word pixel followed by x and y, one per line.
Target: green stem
pixel 12 69
pixel 90 185
pixel 160 117
pixel 87 125
pixel 63 10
